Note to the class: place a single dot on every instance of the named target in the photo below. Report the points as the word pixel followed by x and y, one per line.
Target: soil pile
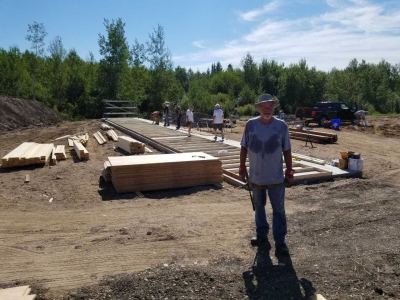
pixel 17 113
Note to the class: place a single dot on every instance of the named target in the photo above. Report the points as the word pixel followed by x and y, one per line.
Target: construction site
pixel 122 208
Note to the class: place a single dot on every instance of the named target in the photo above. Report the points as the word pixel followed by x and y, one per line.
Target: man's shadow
pixel 265 280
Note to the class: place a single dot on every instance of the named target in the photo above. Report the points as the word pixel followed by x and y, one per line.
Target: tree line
pixel 143 73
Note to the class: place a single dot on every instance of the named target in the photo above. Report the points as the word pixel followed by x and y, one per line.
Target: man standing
pixel 166 114
pixel 178 113
pixel 189 119
pixel 218 121
pixel 264 140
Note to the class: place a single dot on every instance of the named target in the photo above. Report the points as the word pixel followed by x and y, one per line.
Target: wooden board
pixel 99 138
pixel 17 293
pixel 81 151
pixel 112 135
pixel 60 152
pixel 28 153
pixel 130 145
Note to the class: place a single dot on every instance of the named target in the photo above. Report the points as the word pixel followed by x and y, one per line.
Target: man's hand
pixel 289 173
pixel 242 172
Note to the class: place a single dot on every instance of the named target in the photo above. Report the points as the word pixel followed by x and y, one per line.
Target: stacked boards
pixel 80 150
pixel 313 136
pixel 112 135
pixel 130 145
pixel 165 171
pixel 26 154
pixel 17 293
pixel 99 138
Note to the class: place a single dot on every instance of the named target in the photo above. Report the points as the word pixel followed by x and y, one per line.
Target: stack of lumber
pixel 130 145
pixel 313 136
pixel 106 173
pixel 112 135
pixel 59 152
pixel 53 158
pixel 81 151
pixel 163 171
pixel 99 138
pixel 83 139
pixel 17 293
pixel 105 126
pixel 28 154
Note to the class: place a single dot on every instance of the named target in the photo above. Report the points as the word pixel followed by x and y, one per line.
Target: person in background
pixel 361 117
pixel 282 115
pixel 178 113
pixel 166 114
pixel 155 117
pixel 189 119
pixel 265 139
pixel 218 121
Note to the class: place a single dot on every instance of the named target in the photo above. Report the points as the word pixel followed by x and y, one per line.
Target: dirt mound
pixel 17 113
pixel 170 282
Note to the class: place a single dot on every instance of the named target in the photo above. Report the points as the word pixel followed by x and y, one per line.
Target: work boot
pixel 281 250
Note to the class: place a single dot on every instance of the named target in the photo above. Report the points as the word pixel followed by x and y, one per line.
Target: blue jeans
pixel 276 194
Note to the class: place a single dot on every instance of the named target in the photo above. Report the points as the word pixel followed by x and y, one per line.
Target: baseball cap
pixel 266 98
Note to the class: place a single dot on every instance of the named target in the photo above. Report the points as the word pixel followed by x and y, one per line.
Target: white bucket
pixel 356 164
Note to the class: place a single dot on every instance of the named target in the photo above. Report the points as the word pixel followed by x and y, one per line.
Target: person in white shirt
pixel 218 121
pixel 189 119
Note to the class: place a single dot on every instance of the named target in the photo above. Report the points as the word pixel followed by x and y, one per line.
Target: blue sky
pixel 326 33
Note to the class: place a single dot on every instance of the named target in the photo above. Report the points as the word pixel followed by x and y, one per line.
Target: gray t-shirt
pixel 265 144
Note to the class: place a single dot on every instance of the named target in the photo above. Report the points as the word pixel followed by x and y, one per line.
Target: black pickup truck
pixel 325 111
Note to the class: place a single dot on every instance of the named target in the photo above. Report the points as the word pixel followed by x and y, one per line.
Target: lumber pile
pixel 83 139
pixel 162 171
pixel 313 136
pixel 130 145
pixel 59 152
pixel 53 158
pixel 17 293
pixel 99 138
pixel 81 151
pixel 26 154
pixel 112 135
pixel 105 126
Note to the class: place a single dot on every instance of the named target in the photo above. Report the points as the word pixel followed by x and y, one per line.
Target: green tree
pixel 159 56
pixel 251 74
pixel 115 51
pixel 56 76
pixel 36 34
pixel 138 54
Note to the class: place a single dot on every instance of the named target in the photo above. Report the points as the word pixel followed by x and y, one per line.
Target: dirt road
pixel 66 236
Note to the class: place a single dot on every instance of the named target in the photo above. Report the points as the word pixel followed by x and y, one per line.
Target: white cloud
pixel 357 29
pixel 199 44
pixel 252 15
